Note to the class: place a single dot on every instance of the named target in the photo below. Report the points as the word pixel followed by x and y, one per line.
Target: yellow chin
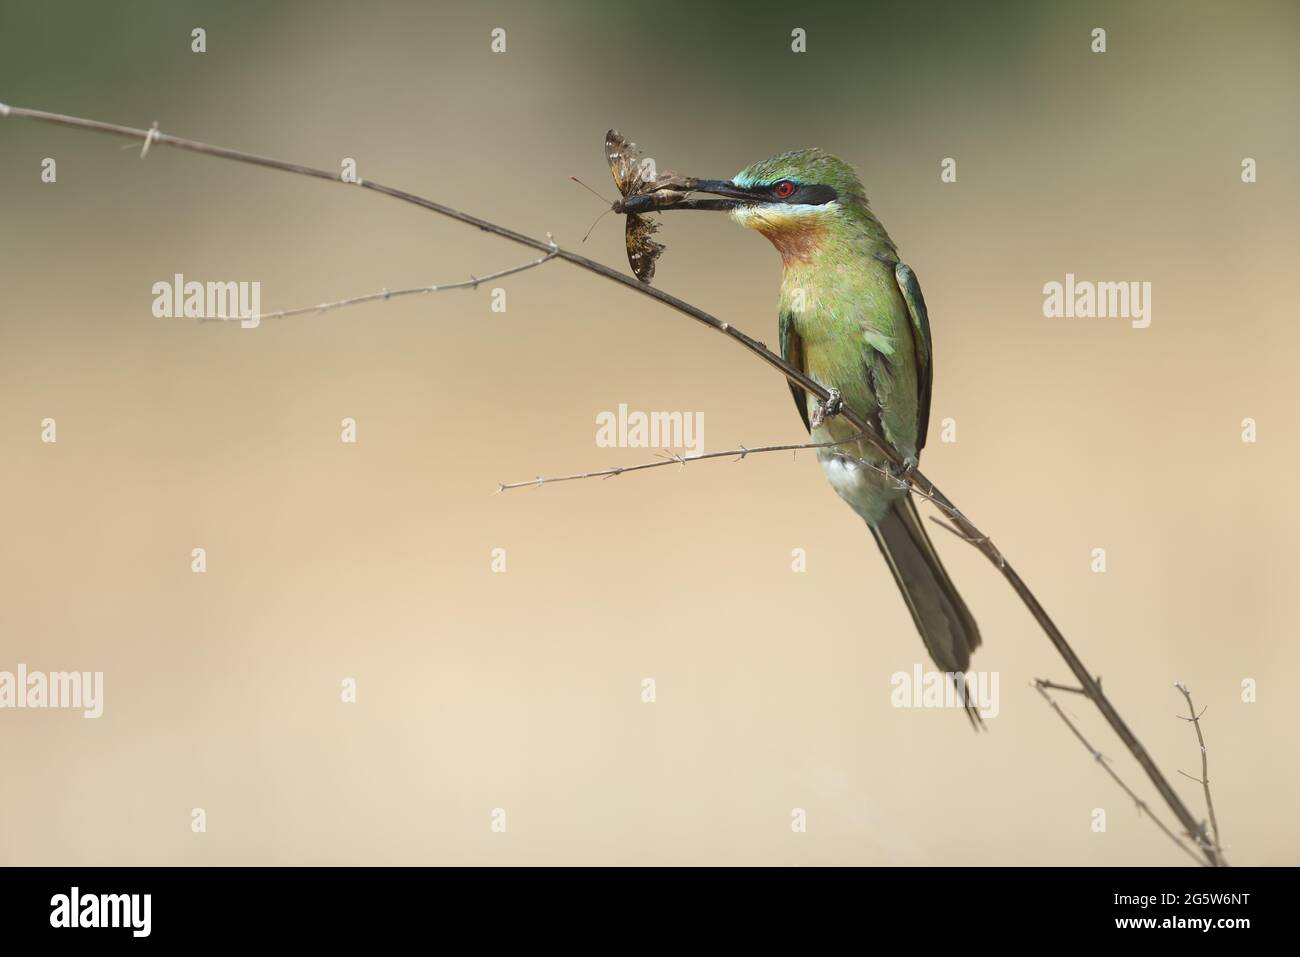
pixel 795 230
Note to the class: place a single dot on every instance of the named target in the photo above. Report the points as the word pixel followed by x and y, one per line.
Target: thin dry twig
pixel 1204 779
pixel 1043 685
pixel 473 282
pixel 1053 686
pixel 913 477
pixel 739 453
pixel 898 476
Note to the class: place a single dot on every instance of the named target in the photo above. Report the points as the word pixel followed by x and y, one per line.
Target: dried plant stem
pixel 1053 686
pixel 1100 758
pixel 1204 779
pixel 473 282
pixel 670 458
pixel 914 478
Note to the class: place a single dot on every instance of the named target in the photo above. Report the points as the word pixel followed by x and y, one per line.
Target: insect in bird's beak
pixel 678 195
pixel 644 190
pixel 636 177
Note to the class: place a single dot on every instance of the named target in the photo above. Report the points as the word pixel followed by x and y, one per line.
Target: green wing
pixel 911 291
pixel 792 352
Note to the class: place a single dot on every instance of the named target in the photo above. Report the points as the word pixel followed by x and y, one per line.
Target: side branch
pixel 473 282
pixel 669 458
pixel 1204 779
pixel 897 476
pixel 1043 686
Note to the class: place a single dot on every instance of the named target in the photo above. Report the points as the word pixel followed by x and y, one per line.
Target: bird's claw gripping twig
pixel 833 405
pixel 903 472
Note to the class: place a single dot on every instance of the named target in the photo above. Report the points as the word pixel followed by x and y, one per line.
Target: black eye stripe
pixel 810 194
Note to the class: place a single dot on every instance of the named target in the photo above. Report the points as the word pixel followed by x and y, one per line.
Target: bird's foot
pixel 902 474
pixel 833 406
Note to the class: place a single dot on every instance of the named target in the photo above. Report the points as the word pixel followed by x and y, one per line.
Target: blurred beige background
pixel 522 690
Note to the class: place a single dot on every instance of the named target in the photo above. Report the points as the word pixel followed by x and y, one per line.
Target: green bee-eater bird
pixel 852 317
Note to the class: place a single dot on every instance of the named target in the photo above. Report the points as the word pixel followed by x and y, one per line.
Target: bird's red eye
pixel 785 189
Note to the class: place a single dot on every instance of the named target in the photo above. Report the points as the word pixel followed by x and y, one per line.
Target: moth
pixel 630 174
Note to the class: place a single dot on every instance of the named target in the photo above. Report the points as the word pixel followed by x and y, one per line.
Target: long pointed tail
pixel 945 623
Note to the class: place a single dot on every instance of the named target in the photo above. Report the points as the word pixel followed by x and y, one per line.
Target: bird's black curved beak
pixel 677 195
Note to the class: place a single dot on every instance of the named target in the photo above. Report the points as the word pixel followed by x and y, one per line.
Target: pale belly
pixel 847 468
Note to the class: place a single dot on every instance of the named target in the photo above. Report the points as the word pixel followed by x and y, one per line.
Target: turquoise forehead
pixel 810 165
pixel 767 172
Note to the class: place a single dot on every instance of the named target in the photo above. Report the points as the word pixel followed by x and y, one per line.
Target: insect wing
pixel 642 251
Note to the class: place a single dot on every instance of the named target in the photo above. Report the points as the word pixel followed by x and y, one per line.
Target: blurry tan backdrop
pixel 522 690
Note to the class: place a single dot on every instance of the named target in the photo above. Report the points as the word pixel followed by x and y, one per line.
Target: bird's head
pixel 797 200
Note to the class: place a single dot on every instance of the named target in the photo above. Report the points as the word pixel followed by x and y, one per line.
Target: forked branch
pixel 1043 687
pixel 1204 780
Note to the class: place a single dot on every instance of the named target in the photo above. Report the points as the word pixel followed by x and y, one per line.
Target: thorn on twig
pixel 148 139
